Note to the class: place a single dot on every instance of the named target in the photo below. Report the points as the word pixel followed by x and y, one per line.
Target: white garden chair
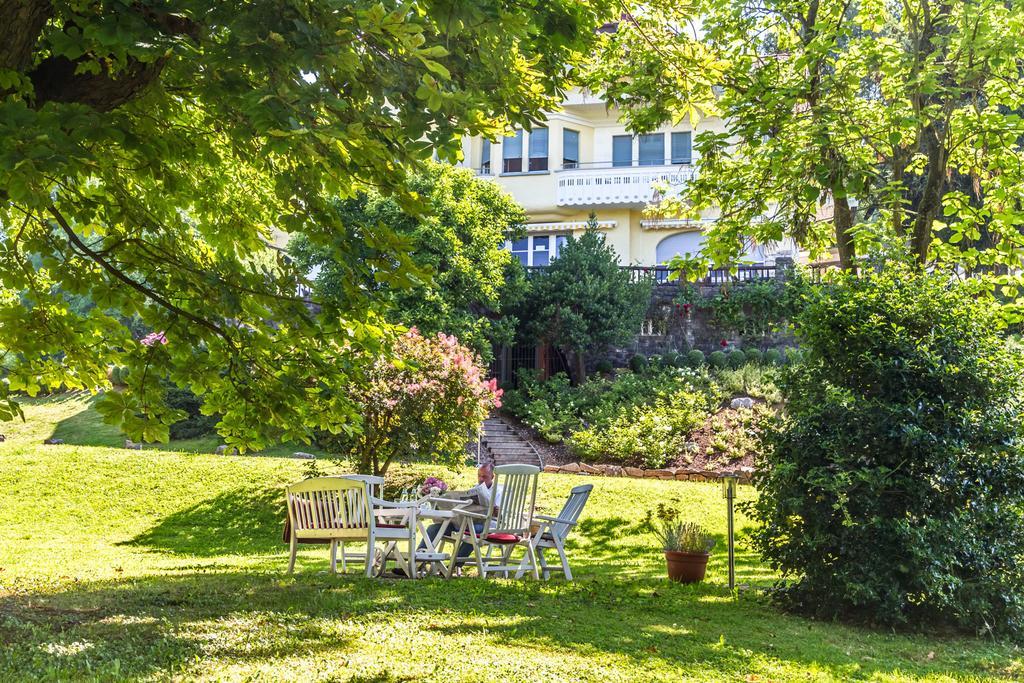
pixel 554 530
pixel 332 509
pixel 506 528
pixel 395 525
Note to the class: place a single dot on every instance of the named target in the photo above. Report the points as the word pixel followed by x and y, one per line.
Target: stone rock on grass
pixel 224 449
pixel 589 469
pixel 53 442
pixel 741 402
pixel 571 468
pixel 552 469
pixel 633 471
pixel 303 455
pixel 612 470
pixel 132 446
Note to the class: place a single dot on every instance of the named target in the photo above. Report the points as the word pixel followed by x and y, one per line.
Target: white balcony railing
pixel 616 185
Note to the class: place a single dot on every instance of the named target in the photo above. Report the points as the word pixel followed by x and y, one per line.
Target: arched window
pixel 680 243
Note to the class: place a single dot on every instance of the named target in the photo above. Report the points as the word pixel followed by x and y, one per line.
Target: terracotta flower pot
pixel 686 567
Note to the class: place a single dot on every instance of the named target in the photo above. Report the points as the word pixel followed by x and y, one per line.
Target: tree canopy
pixel 151 151
pixel 584 302
pixel 861 125
pixel 464 279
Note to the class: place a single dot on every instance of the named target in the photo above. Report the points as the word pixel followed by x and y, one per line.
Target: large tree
pixel 847 123
pixel 584 302
pixel 151 151
pixel 465 279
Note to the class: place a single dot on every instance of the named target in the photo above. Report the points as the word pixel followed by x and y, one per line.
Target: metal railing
pixel 661 275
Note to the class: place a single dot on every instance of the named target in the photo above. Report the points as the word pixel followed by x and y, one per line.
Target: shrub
pixel 683 360
pixel 772 357
pixel 669 359
pixel 695 358
pixel 422 408
pixel 754 356
pixel 604 366
pixel 559 411
pixel 750 380
pixel 195 424
pixel 648 435
pixel 893 490
pixel 718 359
pixel 737 359
pixel 654 361
pixel 637 363
pixel 792 355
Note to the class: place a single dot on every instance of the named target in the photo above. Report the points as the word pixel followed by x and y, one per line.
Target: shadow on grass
pixel 85 428
pixel 238 522
pixel 164 624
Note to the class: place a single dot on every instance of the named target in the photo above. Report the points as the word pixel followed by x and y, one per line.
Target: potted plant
pixel 687 546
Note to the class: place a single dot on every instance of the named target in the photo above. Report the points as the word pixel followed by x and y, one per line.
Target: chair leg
pixel 294 547
pixel 334 557
pixel 506 556
pixel 344 564
pixel 523 564
pixel 565 560
pixel 455 549
pixel 533 561
pixel 412 553
pixel 543 563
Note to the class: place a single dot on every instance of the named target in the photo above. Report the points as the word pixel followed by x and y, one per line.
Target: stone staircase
pixel 501 445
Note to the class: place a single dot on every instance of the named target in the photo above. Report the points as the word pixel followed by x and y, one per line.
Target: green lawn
pixel 159 564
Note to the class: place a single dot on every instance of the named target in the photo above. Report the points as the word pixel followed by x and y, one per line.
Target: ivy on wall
pixel 751 310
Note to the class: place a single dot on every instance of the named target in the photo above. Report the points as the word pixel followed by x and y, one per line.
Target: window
pixel 570 148
pixel 512 153
pixel 652 149
pixel 537 250
pixel 521 250
pixel 541 256
pixel 485 158
pixel 539 149
pixel 682 152
pixel 622 150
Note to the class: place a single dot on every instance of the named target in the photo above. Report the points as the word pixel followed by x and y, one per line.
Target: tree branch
pixel 118 275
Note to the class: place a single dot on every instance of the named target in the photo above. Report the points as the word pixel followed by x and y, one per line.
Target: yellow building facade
pixel 580 160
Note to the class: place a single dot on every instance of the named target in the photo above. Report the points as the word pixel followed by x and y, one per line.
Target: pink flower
pixel 153 338
pixel 724 343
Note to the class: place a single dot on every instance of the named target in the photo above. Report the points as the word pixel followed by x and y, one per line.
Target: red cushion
pixel 502 538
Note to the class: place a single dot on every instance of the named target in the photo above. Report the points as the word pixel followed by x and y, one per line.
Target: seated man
pixel 486 493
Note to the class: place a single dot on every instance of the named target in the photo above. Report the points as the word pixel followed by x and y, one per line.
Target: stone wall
pixel 670 327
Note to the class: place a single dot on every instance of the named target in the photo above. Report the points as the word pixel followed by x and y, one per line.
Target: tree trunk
pixel 931 195
pixel 842 219
pixel 579 363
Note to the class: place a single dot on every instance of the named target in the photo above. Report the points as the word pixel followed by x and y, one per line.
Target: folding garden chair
pixel 505 529
pixel 554 530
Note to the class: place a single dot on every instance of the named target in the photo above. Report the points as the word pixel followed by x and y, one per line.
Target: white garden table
pixel 429 560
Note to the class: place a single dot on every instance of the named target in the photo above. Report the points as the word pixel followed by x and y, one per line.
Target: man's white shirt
pixel 483 494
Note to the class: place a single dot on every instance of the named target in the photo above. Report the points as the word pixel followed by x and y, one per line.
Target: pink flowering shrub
pixel 422 402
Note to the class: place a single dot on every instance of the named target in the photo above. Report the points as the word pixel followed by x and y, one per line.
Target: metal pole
pixel 730 494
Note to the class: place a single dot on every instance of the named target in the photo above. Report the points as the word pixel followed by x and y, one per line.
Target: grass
pixel 159 564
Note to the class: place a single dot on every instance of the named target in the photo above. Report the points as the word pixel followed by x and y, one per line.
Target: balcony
pixel 603 183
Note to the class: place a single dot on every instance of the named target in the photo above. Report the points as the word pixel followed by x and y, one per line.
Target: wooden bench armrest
pixel 401 505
